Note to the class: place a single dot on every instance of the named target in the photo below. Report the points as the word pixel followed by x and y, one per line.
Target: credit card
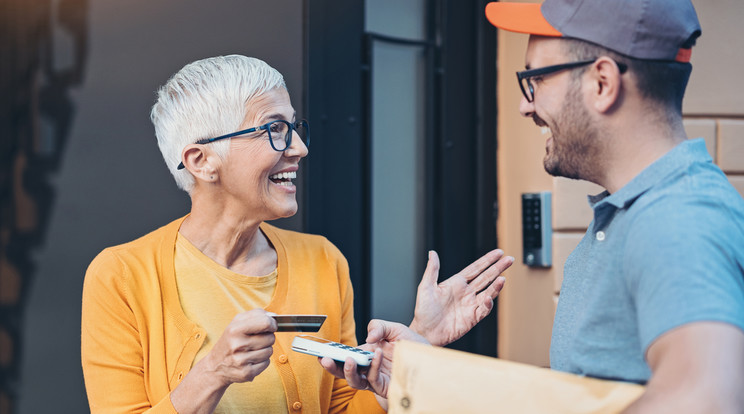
pixel 299 323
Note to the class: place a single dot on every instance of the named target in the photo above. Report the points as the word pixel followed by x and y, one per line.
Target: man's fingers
pixel 352 375
pixel 373 375
pixel 477 267
pixel 349 371
pixel 331 366
pixel 489 275
pixel 377 330
pixel 431 274
pixel 380 330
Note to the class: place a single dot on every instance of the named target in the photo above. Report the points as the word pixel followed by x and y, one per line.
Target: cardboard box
pixel 428 379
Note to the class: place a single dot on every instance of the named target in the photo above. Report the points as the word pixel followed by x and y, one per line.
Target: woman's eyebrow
pixel 277 116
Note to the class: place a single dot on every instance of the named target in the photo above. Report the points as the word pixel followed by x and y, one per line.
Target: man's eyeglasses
pixel 279 132
pixel 525 77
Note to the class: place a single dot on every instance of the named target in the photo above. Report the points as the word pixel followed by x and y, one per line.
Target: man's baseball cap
pixel 642 29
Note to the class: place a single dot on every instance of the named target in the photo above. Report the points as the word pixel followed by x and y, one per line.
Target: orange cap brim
pixel 520 17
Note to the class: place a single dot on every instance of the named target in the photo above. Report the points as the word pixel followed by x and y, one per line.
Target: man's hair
pixel 663 82
pixel 206 99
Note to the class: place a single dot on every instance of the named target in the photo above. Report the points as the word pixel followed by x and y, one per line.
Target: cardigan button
pixel 283 359
pixel 297 406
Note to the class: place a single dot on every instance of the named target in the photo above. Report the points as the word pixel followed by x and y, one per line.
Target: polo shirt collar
pixel 679 157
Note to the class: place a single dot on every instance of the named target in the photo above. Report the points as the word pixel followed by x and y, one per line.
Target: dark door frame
pixel 461 187
pixel 335 201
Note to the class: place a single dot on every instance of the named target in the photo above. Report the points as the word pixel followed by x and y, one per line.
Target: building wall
pixel 102 180
pixel 713 109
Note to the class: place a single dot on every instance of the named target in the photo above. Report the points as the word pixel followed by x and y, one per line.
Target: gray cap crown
pixel 643 29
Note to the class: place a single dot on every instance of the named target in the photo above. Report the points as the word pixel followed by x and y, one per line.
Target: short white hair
pixel 206 99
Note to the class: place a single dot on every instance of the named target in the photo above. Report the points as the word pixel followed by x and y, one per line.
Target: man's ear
pixel 199 162
pixel 607 84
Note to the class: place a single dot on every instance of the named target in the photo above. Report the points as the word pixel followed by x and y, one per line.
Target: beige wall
pixel 714 109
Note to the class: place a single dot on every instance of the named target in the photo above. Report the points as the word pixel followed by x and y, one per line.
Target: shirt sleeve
pixel 684 264
pixel 111 351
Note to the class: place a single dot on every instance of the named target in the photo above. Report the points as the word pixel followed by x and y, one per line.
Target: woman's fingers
pixel 431 273
pixel 253 322
pixel 254 356
pixel 244 349
pixel 477 267
pixel 253 342
pixel 251 371
pixel 493 291
pixel 488 275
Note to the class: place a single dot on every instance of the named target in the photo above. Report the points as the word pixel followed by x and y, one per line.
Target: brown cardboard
pixel 428 379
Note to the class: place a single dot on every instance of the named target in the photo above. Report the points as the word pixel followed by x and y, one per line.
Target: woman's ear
pixel 607 84
pixel 199 163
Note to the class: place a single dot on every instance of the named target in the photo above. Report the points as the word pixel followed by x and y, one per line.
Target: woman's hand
pixel 381 339
pixel 239 355
pixel 243 350
pixel 448 310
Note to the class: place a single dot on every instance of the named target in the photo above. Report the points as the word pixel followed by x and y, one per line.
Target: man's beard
pixel 575 148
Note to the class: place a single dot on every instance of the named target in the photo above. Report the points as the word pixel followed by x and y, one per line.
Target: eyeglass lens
pixel 527 89
pixel 280 133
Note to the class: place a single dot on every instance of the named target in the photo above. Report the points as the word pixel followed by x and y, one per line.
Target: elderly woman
pixel 179 320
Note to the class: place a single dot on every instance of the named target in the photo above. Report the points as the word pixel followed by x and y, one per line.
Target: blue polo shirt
pixel 665 250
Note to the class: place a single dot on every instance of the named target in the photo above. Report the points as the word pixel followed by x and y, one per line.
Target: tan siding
pixel 731 145
pixel 703 128
pixel 716 85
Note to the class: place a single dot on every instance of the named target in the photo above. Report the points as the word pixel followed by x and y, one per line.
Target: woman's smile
pixel 284 179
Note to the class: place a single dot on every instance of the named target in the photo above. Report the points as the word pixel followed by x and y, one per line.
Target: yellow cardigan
pixel 137 344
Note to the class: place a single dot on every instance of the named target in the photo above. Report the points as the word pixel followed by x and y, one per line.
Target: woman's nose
pixel 297 147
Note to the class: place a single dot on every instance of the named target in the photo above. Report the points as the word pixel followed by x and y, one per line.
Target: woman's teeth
pixel 284 175
pixel 545 130
pixel 283 178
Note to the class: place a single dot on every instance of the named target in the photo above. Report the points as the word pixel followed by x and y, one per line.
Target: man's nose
pixel 526 108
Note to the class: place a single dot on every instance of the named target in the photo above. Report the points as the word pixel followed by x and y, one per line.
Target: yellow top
pixel 211 296
pixel 137 343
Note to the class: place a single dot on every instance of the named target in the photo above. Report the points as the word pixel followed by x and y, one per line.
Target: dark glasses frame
pixel 291 128
pixel 523 77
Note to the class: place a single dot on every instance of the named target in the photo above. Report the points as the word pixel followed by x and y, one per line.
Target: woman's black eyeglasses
pixel 279 131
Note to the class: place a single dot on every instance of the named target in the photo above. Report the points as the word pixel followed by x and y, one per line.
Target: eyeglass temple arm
pixel 234 134
pixel 245 131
